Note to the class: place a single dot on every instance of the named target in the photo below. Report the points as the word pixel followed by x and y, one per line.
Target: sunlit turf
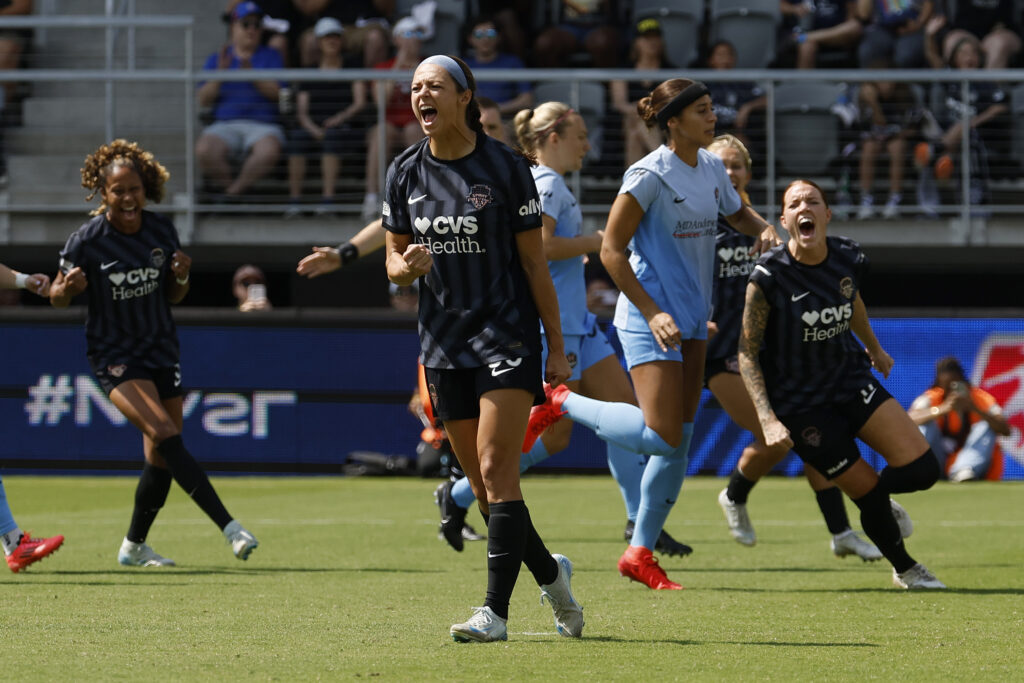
pixel 351 582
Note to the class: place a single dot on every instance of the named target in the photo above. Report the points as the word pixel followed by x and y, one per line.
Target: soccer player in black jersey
pixel 463 216
pixel 811 382
pixel 131 266
pixel 20 548
pixel 734 259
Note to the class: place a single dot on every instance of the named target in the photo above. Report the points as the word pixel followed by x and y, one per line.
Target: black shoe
pixel 665 543
pixel 453 518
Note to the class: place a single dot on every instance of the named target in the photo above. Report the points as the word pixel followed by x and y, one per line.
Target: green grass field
pixel 350 582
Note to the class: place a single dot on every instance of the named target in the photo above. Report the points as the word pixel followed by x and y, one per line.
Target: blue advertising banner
pixel 300 399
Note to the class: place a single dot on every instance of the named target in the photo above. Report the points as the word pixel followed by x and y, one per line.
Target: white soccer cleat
pixel 568 612
pixel 737 519
pixel 902 518
pixel 242 542
pixel 917 577
pixel 849 543
pixel 483 627
pixel 141 555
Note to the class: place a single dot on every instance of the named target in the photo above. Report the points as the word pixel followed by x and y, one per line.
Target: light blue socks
pixel 662 481
pixel 628 469
pixel 619 423
pixel 7 523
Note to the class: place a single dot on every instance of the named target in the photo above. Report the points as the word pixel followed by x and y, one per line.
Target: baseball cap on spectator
pixel 650 25
pixel 405 25
pixel 328 26
pixel 246 9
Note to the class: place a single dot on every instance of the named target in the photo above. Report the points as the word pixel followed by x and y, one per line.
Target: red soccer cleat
pixel 31 550
pixel 545 415
pixel 638 564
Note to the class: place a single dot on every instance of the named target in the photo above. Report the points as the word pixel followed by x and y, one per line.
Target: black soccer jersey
pixel 810 356
pixel 475 306
pixel 733 263
pixel 129 317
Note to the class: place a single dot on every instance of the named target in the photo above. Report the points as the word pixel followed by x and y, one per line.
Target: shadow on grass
pixel 225 571
pixel 881 589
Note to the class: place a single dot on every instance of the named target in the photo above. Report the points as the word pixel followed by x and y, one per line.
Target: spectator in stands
pixel 888 110
pixel 602 297
pixel 244 112
pixel 733 101
pixel 894 32
pixel 961 423
pixel 513 18
pixel 646 52
pixel 360 18
pixel 279 17
pixel 328 116
pixel 401 127
pixel 490 119
pixel 986 107
pixel 249 285
pixel 992 23
pixel 13 41
pixel 586 24
pixel 811 26
pixel 484 38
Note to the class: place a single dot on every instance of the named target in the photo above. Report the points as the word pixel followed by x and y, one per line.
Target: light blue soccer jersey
pixel 558 202
pixel 674 245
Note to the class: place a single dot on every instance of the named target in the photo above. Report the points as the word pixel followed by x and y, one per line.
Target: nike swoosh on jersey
pixel 677 200
pixel 104 266
pixel 413 200
pixel 797 298
pixel 867 399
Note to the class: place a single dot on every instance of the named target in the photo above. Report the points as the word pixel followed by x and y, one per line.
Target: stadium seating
pixel 750 25
pixel 807 132
pixel 680 24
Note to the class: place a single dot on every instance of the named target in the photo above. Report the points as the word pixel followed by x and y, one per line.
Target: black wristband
pixel 348 253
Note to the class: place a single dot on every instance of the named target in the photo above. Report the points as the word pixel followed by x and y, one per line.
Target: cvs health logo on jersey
pixel 827 322
pixel 735 262
pixel 449 234
pixel 134 283
pixel 999 370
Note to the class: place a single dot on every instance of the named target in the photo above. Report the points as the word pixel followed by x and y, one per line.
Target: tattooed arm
pixel 755 319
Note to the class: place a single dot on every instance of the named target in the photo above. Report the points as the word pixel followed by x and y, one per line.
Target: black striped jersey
pixel 810 357
pixel 733 264
pixel 475 304
pixel 129 319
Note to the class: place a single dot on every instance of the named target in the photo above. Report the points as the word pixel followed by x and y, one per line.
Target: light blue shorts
pixel 242 134
pixel 584 350
pixel 641 347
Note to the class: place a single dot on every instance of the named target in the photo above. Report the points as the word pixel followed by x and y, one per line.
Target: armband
pixel 348 253
pixel 182 281
pixel 21 280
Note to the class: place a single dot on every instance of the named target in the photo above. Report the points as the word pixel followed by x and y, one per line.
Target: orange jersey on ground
pixel 952 425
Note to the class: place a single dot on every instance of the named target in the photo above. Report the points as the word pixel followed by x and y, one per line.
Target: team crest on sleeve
pixel 480 196
pixel 116 370
pixel 156 257
pixel 716 194
pixel 846 287
pixel 386 210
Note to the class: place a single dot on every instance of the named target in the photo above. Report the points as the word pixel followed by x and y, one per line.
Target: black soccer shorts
pixel 825 436
pixel 455 393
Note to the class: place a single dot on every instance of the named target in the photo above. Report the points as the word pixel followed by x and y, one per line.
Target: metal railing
pixel 188 76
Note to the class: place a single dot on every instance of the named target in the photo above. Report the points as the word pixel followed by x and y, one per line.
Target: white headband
pixel 451 66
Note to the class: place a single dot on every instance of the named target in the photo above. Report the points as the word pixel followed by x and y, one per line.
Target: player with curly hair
pixel 130 264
